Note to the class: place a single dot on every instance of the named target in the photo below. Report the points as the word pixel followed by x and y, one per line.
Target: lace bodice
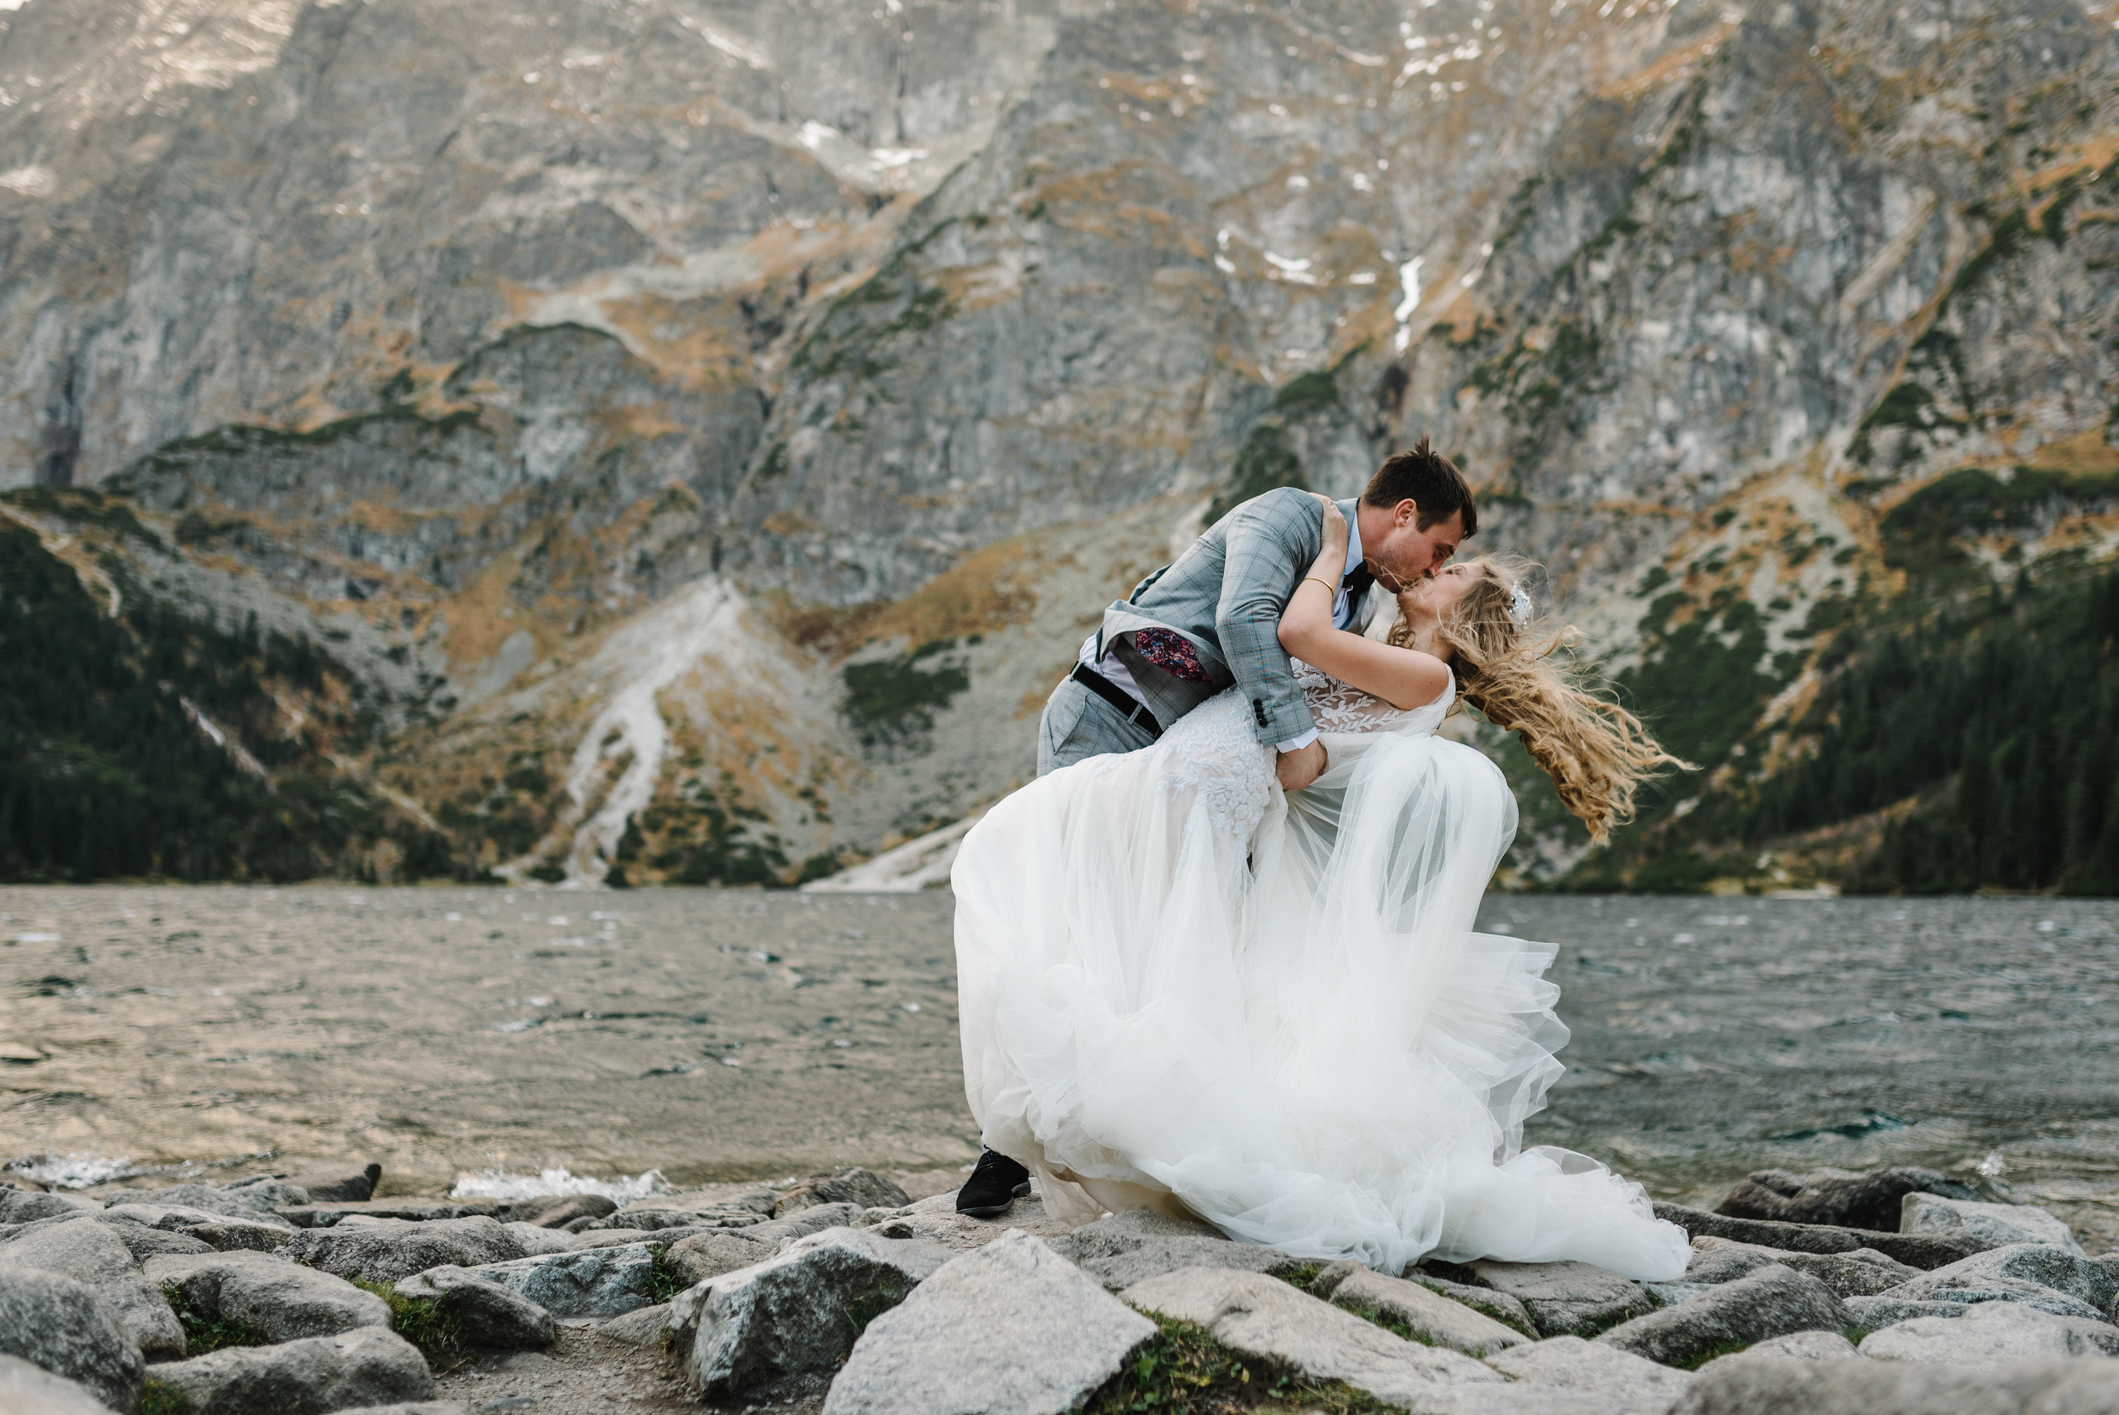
pixel 1337 707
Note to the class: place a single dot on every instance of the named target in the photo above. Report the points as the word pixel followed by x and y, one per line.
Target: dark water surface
pixel 721 1034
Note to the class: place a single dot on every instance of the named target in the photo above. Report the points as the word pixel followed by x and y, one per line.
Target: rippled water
pixel 734 1034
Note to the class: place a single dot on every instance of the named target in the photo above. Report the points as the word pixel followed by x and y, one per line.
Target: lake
pixel 225 1030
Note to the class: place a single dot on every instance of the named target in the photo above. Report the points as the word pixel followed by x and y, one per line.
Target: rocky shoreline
pixel 1870 1293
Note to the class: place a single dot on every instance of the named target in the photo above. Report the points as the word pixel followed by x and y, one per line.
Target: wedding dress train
pixel 1181 989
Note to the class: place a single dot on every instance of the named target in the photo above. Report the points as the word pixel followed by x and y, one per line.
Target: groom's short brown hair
pixel 1428 479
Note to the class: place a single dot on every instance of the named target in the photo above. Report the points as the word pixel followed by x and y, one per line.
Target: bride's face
pixel 1433 599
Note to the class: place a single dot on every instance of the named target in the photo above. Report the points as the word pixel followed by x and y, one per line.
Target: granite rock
pixel 2023 1273
pixel 63 1326
pixel 281 1301
pixel 1998 1225
pixel 26 1389
pixel 1427 1314
pixel 221 1232
pixel 1120 1250
pixel 488 1314
pixel 588 1282
pixel 334 1186
pixel 1778 1386
pixel 1796 1346
pixel 1773 1301
pixel 1563 1299
pixel 722 1205
pixel 89 1252
pixel 1916 1250
pixel 1861 1273
pixel 1992 1334
pixel 1049 1336
pixel 862 1188
pixel 796 1314
pixel 1838 1197
pixel 642 1326
pixel 365 1367
pixel 257 1202
pixel 1876 1313
pixel 145 1243
pixel 29 1205
pixel 559 1210
pixel 1594 1369
pixel 385 1252
pixel 936 1220
pixel 1486 1301
pixel 405 1210
pixel 1265 1320
pixel 708 1255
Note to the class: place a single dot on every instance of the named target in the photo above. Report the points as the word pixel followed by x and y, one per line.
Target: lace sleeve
pixel 1340 708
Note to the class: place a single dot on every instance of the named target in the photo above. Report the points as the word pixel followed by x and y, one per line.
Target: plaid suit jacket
pixel 1225 595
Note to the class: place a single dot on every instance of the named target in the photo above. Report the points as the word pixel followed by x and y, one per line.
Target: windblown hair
pixel 1596 752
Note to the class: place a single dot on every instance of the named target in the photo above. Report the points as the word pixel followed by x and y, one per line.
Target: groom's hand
pixel 1300 767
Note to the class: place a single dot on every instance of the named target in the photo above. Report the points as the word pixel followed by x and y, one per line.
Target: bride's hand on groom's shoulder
pixel 1334 520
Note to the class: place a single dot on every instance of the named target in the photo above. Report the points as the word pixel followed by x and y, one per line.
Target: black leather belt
pixel 1111 693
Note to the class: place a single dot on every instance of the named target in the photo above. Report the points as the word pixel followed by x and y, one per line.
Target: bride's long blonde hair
pixel 1596 752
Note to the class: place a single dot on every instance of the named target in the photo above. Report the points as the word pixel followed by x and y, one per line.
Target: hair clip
pixel 1519 608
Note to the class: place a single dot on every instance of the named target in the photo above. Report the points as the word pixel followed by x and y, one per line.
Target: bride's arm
pixel 1404 678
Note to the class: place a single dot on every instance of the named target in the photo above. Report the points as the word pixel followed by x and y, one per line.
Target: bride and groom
pixel 1218 960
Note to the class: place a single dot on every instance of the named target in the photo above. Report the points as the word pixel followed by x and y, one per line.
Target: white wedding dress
pixel 1181 989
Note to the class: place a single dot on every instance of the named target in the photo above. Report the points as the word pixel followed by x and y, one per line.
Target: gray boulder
pixel 1772 1301
pixel 418 1407
pixel 1876 1313
pixel 559 1210
pixel 723 1205
pixel 279 1300
pixel 1796 1346
pixel 2029 1273
pixel 404 1210
pixel 1570 1363
pixel 1486 1301
pixel 31 1390
pixel 802 1222
pixel 1915 1250
pixel 487 1314
pixel 1768 1386
pixel 533 1240
pixel 1861 1273
pixel 145 1243
pixel 862 1188
pixel 63 1326
pixel 217 1231
pixel 1428 1315
pixel 937 1220
pixel 1563 1299
pixel 258 1202
pixel 29 1205
pixel 388 1252
pixel 1996 1225
pixel 797 1314
pixel 1992 1334
pixel 705 1255
pixel 1268 1321
pixel 1124 1249
pixel 367 1366
pixel 1048 1336
pixel 643 1326
pixel 590 1282
pixel 331 1185
pixel 88 1252
pixel 1839 1197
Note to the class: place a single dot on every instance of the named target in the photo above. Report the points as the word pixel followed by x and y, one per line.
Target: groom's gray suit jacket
pixel 1225 595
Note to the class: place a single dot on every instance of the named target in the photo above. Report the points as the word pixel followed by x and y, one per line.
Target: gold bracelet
pixel 1328 587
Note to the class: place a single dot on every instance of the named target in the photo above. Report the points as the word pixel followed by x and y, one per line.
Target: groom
pixel 1212 619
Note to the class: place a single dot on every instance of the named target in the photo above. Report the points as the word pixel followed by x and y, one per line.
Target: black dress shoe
pixel 997 1183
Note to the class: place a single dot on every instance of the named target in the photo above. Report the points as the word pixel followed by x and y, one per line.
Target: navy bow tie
pixel 1356 580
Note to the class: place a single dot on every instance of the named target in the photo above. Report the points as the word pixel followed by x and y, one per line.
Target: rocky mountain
pixel 698 432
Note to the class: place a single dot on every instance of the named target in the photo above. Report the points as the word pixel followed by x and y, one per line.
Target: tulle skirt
pixel 1181 989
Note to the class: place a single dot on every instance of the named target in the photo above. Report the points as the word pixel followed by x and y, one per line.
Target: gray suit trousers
pixel 1079 724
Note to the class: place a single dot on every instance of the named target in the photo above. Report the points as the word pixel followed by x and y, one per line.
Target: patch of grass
pixel 1183 1370
pixel 893 701
pixel 437 1333
pixel 1377 1317
pixel 159 1399
pixel 204 1332
pixel 664 1281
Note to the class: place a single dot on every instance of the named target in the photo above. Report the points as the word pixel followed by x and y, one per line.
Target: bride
pixel 1183 990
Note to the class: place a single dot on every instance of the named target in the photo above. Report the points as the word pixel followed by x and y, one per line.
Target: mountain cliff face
pixel 706 429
